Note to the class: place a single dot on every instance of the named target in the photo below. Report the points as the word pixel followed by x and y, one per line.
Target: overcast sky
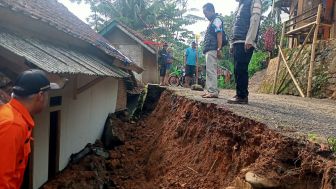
pixel 222 6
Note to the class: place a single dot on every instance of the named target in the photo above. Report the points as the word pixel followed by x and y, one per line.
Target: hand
pixel 219 54
pixel 248 46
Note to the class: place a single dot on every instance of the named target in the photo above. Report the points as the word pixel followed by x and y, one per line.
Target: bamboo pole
pixel 296 57
pixel 278 61
pixel 197 63
pixel 312 58
pixel 291 74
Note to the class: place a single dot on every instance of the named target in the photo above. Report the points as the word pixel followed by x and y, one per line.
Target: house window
pixel 55 101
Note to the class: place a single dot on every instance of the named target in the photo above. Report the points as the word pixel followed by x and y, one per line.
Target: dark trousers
pixel 241 61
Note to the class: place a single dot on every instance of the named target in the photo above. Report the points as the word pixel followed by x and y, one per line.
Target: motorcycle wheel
pixel 174 81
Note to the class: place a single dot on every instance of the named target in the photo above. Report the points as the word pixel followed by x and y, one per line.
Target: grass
pixel 256 62
pixel 312 136
pixel 332 144
pixel 331 141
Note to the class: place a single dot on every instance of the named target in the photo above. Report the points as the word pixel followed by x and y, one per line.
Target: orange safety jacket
pixel 16 126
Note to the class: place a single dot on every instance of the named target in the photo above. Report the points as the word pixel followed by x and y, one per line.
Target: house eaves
pixel 56 59
pixel 131 33
pixel 57 16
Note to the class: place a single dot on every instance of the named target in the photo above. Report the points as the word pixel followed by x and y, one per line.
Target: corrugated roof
pixel 57 15
pixel 57 59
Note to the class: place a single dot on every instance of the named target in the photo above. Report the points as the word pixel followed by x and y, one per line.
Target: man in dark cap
pixel 29 97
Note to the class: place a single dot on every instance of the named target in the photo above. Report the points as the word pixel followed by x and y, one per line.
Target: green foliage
pixel 264 26
pixel 256 62
pixel 221 82
pixel 156 19
pixel 332 143
pixel 312 136
pixel 176 71
pixel 320 82
pixel 228 21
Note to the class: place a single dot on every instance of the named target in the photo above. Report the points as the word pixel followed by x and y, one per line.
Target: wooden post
pixel 296 57
pixel 278 61
pixel 197 36
pixel 312 57
pixel 291 74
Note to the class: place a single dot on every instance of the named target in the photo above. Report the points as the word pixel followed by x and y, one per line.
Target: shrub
pixel 256 63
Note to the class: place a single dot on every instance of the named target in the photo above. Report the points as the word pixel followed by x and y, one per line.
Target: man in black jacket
pixel 163 61
pixel 212 49
pixel 245 32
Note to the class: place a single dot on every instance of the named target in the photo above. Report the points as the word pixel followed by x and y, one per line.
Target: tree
pixel 270 28
pixel 158 20
pixel 165 19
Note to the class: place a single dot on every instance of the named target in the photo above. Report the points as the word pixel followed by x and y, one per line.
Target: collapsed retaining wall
pixel 184 143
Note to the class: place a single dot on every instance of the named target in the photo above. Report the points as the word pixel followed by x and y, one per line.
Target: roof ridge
pixel 58 16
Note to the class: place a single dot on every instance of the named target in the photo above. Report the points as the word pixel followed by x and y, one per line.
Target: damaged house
pixel 44 34
pixel 135 46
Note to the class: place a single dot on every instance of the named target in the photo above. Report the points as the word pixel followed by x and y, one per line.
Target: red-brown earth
pixel 184 143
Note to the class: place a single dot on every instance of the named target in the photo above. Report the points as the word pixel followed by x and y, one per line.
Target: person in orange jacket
pixel 29 97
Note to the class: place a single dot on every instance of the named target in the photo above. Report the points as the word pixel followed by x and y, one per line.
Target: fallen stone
pixel 101 152
pixel 241 184
pixel 112 135
pixel 259 181
pixel 75 158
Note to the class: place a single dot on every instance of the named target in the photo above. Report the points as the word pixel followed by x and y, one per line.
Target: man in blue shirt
pixel 190 59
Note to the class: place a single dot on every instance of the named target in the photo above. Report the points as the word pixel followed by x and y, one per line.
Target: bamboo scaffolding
pixel 313 26
pixel 312 58
pixel 278 61
pixel 291 74
pixel 296 57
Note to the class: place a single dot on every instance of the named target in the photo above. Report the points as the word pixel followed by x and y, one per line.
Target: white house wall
pixel 82 122
pixel 41 149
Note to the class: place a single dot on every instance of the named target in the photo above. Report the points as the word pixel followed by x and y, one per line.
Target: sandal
pixel 210 96
pixel 204 94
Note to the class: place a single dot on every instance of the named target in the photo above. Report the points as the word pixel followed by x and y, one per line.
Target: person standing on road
pixel 245 31
pixel 212 49
pixel 190 59
pixel 163 61
pixel 168 65
pixel 29 97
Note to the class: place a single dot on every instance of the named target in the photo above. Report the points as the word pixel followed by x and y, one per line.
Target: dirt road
pixel 291 115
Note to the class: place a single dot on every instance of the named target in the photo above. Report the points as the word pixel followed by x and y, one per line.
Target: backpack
pixel 225 40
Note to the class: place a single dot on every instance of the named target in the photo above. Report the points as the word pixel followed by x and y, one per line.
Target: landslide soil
pixel 184 143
